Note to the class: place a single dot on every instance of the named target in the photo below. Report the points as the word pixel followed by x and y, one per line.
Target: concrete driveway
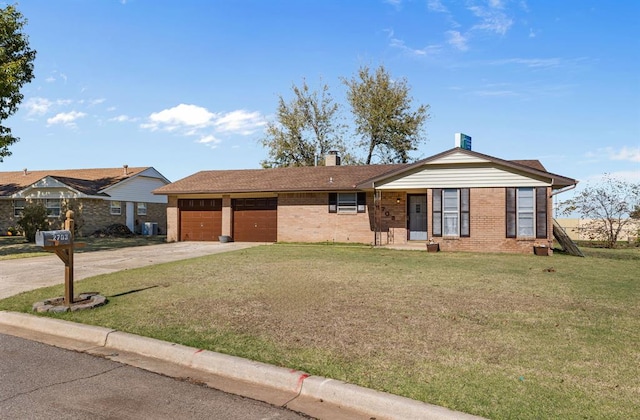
pixel 23 274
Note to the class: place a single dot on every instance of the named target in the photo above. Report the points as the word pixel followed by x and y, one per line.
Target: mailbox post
pixel 61 242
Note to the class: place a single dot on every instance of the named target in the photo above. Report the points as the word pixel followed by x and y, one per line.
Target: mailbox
pixel 53 237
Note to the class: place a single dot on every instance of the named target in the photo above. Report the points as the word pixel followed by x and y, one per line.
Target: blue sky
pixel 189 85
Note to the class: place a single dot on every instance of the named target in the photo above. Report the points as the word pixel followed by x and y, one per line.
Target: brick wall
pixel 488 225
pixel 305 217
pixel 393 217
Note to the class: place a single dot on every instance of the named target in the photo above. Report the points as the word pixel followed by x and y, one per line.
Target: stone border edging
pixel 367 401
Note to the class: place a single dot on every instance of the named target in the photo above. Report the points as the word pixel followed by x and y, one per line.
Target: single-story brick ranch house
pixel 100 197
pixel 462 199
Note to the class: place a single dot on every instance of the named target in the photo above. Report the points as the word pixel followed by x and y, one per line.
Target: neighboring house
pixel 464 200
pixel 100 197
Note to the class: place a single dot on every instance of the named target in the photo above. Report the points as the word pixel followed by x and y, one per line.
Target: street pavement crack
pixel 60 383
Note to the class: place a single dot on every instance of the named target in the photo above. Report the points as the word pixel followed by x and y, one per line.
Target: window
pixel 450 215
pixel 18 207
pixel 450 208
pixel 53 207
pixel 526 212
pixel 115 208
pixel 347 202
pixel 142 209
pixel 525 207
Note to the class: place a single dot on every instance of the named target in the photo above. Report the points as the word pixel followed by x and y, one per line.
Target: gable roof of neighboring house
pixel 90 182
pixel 344 178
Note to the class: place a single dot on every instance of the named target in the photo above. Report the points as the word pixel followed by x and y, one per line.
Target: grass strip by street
pixel 501 336
pixel 12 247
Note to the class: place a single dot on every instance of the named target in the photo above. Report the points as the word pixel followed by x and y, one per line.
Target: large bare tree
pixel 305 129
pixel 388 127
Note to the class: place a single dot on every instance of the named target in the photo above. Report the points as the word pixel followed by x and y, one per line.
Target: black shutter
pixel 333 202
pixel 511 212
pixel 465 228
pixel 362 202
pixel 436 209
pixel 541 212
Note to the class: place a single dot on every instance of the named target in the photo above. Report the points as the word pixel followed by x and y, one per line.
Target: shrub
pixel 34 218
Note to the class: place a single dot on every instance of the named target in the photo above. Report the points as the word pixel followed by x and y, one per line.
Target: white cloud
pixel 38 106
pixel 210 141
pixel 458 40
pixel 530 62
pixel 492 19
pixel 66 118
pixel 631 154
pixel 123 118
pixel 181 115
pixel 96 101
pixel 240 121
pixel 192 120
pixel 420 52
pixel 436 6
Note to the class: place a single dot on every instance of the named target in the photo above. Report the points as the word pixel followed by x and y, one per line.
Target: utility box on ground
pixel 150 228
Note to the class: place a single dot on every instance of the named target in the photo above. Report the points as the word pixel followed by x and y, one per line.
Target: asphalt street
pixel 44 382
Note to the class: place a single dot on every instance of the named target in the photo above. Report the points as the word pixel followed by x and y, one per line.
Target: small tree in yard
pixel 34 218
pixel 608 207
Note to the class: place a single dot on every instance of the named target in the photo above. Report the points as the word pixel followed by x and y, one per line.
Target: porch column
pixel 227 216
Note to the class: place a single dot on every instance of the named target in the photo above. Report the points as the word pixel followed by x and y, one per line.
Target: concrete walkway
pixel 24 274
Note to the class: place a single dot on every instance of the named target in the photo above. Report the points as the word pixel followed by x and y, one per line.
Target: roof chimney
pixel 332 159
pixel 24 171
pixel 126 169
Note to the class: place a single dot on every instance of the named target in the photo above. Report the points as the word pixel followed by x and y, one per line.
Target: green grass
pixel 501 336
pixel 12 247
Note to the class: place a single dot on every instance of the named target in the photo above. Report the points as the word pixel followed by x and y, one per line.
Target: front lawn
pixel 501 336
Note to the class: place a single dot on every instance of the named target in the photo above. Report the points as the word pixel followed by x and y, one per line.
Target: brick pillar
pixel 173 220
pixel 227 216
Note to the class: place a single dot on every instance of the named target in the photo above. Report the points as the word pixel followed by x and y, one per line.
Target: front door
pixel 417 215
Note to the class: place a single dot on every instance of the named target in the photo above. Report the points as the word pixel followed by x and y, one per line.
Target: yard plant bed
pixel 501 336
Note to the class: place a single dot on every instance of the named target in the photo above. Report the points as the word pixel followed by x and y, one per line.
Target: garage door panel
pixel 200 220
pixel 255 220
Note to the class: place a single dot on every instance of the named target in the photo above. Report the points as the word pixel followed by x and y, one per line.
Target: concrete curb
pixel 71 330
pixel 370 402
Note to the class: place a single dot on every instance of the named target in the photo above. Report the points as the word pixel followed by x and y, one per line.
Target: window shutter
pixel 511 212
pixel 362 202
pixel 436 209
pixel 465 228
pixel 541 212
pixel 333 202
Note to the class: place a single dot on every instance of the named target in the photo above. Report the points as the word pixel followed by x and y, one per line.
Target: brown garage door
pixel 200 219
pixel 255 219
